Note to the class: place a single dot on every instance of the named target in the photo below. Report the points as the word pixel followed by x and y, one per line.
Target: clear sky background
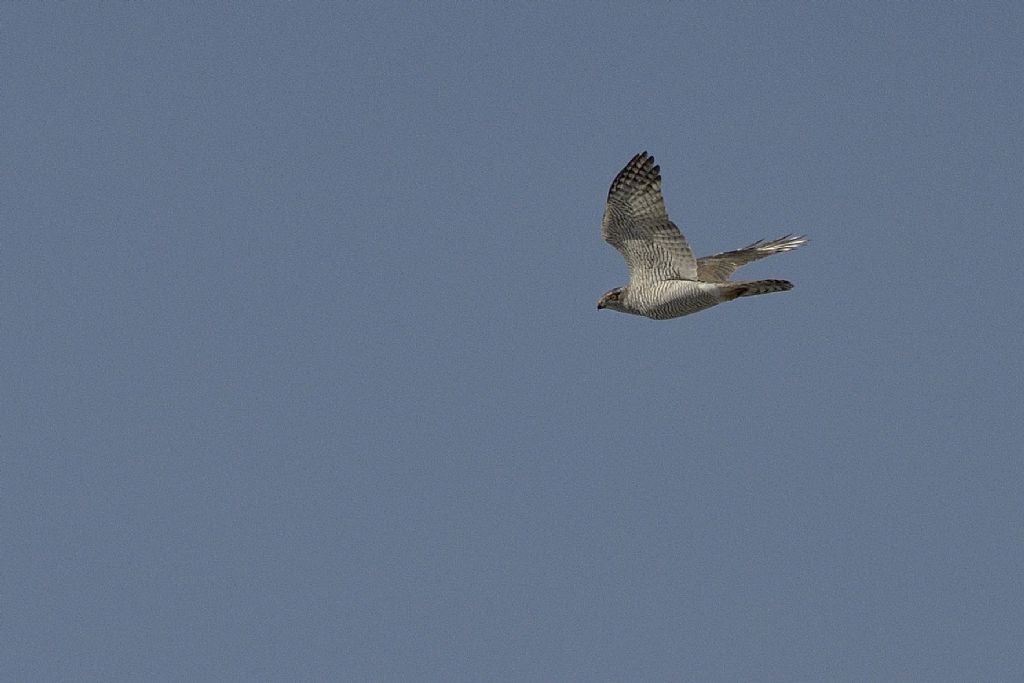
pixel 303 377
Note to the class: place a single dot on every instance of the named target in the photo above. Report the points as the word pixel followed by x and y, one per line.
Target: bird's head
pixel 612 299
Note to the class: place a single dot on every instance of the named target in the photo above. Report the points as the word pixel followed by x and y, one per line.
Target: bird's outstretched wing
pixel 635 222
pixel 718 267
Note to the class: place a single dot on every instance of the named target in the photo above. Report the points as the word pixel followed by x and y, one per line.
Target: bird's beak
pixel 599 306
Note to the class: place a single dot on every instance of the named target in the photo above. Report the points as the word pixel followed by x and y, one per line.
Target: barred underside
pixel 672 298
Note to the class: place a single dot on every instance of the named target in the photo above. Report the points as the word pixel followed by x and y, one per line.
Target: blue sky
pixel 304 379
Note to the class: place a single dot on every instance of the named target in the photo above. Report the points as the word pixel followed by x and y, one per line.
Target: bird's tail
pixel 755 287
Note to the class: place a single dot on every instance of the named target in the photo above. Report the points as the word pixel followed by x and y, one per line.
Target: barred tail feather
pixel 755 287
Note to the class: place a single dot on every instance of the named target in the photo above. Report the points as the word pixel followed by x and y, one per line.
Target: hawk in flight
pixel 665 280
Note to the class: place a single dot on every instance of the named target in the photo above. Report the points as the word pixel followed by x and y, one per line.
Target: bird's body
pixel 665 280
pixel 670 298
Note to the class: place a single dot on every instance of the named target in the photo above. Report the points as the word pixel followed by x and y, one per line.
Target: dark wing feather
pixel 635 222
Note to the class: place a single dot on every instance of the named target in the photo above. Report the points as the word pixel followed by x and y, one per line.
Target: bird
pixel 665 280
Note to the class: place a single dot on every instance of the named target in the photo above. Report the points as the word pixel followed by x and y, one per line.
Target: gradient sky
pixel 303 377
